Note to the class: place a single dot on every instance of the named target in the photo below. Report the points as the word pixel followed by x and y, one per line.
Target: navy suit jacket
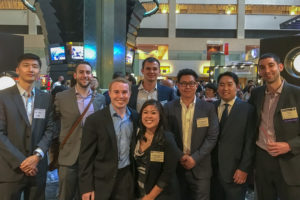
pixel 285 131
pixel 203 138
pixel 236 144
pixel 164 93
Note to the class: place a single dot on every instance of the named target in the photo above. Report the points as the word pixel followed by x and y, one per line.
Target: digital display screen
pixel 77 52
pixel 129 57
pixel 57 53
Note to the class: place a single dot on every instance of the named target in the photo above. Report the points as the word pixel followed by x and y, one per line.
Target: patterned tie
pixel 29 107
pixel 224 117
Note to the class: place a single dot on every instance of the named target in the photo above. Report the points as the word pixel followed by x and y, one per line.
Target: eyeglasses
pixel 190 84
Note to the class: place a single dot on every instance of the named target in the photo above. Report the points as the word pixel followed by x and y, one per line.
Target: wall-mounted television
pixel 57 53
pixel 77 52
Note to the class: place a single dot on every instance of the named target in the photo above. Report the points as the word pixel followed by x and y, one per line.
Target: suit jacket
pixel 163 173
pixel 164 94
pixel 18 139
pixel 98 158
pixel 236 145
pixel 203 138
pixel 66 108
pixel 285 131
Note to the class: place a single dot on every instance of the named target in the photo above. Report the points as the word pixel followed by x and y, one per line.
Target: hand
pixel 32 172
pixel 88 196
pixel 29 164
pixel 187 162
pixel 240 177
pixel 147 197
pixel 278 148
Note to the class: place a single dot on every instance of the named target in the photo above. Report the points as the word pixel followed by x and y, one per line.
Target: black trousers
pixel 33 188
pixel 270 183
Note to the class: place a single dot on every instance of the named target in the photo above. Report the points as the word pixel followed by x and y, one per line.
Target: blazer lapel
pixel 178 115
pixel 73 100
pixel 38 103
pixel 281 99
pixel 260 100
pixel 111 131
pixel 234 109
pixel 17 99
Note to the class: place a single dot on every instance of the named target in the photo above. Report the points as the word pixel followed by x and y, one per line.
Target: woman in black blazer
pixel 155 156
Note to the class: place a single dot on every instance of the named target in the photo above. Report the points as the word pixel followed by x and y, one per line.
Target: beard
pixel 82 85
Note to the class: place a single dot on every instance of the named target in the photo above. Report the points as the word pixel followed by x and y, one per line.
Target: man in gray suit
pixel 26 130
pixel 69 105
pixel 195 125
pixel 232 158
pixel 277 160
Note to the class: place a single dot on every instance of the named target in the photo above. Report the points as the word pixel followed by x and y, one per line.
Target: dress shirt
pixel 145 95
pixel 28 100
pixel 221 107
pixel 123 130
pixel 82 103
pixel 266 128
pixel 187 116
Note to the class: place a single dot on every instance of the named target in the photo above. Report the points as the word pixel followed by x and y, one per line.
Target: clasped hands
pixel 29 165
pixel 187 161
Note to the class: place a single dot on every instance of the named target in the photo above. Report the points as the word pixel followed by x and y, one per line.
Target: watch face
pixel 292 62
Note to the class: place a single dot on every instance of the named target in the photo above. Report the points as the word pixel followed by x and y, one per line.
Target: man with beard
pixel 69 105
pixel 277 161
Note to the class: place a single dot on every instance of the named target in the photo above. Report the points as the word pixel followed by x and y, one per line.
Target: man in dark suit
pixel 232 158
pixel 195 125
pixel 149 88
pixel 26 130
pixel 105 158
pixel 69 105
pixel 277 160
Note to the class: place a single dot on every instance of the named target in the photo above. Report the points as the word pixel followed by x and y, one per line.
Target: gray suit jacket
pixel 285 131
pixel 18 139
pixel 203 138
pixel 66 108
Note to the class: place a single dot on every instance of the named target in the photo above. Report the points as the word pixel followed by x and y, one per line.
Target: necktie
pixel 29 108
pixel 224 117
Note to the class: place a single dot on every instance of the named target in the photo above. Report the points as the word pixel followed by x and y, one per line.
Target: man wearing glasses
pixel 195 125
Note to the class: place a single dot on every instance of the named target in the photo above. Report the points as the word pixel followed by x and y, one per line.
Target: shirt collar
pixel 231 102
pixel 77 93
pixel 113 113
pixel 277 92
pixel 194 101
pixel 141 87
pixel 24 92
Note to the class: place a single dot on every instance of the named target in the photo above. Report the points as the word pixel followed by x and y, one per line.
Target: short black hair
pixel 82 63
pixel 270 55
pixel 232 75
pixel 29 56
pixel 186 72
pixel 211 86
pixel 150 60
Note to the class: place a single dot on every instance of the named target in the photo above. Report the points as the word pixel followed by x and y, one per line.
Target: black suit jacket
pixel 164 94
pixel 163 173
pixel 236 144
pixel 19 138
pixel 203 138
pixel 285 131
pixel 98 157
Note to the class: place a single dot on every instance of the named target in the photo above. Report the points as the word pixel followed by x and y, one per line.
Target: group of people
pixel 146 143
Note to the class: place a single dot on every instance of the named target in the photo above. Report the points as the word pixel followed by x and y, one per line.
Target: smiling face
pixel 269 70
pixel 151 71
pixel 150 117
pixel 119 94
pixel 28 70
pixel 209 93
pixel 83 75
pixel 227 88
pixel 187 86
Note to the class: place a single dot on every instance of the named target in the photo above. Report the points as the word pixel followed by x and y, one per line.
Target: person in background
pixel 170 83
pixel 58 82
pixel 277 161
pixel 210 93
pixel 155 156
pixel 247 94
pixel 249 83
pixel 130 78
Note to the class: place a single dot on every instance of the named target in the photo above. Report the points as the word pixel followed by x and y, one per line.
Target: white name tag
pixel 202 122
pixel 289 113
pixel 39 113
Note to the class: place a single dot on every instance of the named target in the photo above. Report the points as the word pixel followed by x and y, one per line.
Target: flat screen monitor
pixel 57 53
pixel 77 52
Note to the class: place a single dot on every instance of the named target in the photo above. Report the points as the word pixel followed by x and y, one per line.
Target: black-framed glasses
pixel 190 84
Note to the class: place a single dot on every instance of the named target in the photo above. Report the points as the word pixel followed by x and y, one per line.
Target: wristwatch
pixel 37 154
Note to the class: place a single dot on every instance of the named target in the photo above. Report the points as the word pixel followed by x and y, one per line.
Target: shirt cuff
pixel 40 151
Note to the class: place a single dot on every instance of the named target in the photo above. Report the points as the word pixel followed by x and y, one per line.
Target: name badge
pixel 157 156
pixel 39 113
pixel 202 122
pixel 289 114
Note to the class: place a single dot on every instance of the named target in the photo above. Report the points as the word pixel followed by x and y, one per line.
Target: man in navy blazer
pixel 195 125
pixel 277 160
pixel 149 88
pixel 232 158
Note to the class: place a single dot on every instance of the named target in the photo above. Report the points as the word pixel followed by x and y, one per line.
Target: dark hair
pixel 250 86
pixel 184 72
pixel 232 75
pixel 150 60
pixel 270 55
pixel 82 63
pixel 131 79
pixel 211 86
pixel 159 137
pixel 29 56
